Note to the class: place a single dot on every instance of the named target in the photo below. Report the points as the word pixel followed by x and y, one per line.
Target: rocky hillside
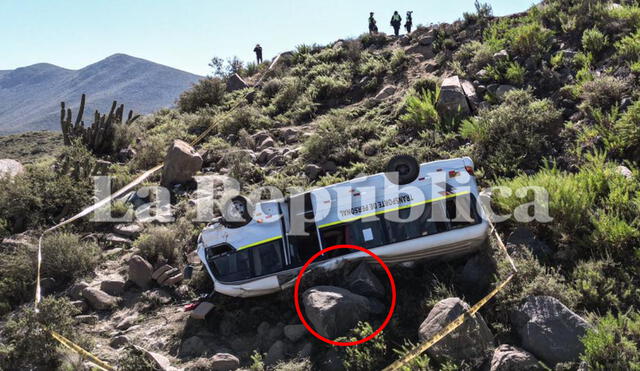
pixel 30 96
pixel 545 99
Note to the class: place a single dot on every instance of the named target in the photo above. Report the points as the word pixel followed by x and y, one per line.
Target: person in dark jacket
pixel 373 27
pixel 409 22
pixel 258 51
pixel 396 22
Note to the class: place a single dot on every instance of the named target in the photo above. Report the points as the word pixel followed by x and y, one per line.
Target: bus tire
pixel 237 212
pixel 402 169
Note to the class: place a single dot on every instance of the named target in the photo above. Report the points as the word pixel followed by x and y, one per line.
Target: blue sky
pixel 185 34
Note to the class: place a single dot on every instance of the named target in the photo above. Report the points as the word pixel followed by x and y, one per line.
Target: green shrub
pixel 624 138
pixel 206 92
pixel 625 17
pixel 246 117
pixel 515 73
pixel 614 343
pixel 474 56
pixel 132 359
pixel 289 93
pixel 324 88
pixel 378 40
pixel 419 363
pixel 367 356
pixel 67 258
pixel 594 41
pixel 303 364
pixel 398 60
pixel 372 65
pixel 4 229
pixel 529 40
pixel 27 346
pixel 522 128
pixel 165 242
pixel 628 48
pixel 17 273
pixel 603 92
pixel 271 87
pixel 421 112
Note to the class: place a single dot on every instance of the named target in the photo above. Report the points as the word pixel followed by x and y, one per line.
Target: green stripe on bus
pixel 394 209
pixel 260 242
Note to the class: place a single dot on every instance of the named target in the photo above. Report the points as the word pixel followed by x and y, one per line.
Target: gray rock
pixel 128 230
pixel 470 92
pixel 426 40
pixel 625 172
pixel 422 51
pixel 306 350
pixel 114 240
pixel 523 237
pixel 127 322
pixel 452 101
pixel 159 361
pixel 503 90
pixel 98 299
pixel 267 143
pixel 625 103
pixel 549 330
pixel 266 155
pixel 75 291
pixel 385 93
pixel 113 287
pixel 10 168
pixel 363 282
pixel 476 275
pixel 329 166
pixel 332 361
pixel 140 271
pixel 493 88
pixel 181 164
pixel 235 82
pixel 224 362
pixel 502 55
pixel 119 341
pixel 471 342
pixel 294 332
pixel 193 346
pixel 510 358
pixel 333 310
pixel 312 171
pixel 404 40
pixel 80 305
pixel 276 353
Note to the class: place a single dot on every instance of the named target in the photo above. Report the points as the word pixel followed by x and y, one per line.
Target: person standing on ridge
pixel 396 22
pixel 409 22
pixel 258 51
pixel 373 28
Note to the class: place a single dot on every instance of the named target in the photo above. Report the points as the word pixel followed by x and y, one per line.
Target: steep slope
pixel 30 96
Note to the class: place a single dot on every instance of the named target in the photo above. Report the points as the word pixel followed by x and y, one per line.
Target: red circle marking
pixel 339 343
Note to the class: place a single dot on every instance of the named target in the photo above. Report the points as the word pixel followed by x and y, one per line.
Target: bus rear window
pixel 249 263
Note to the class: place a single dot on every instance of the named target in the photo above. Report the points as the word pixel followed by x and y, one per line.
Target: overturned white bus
pixel 410 212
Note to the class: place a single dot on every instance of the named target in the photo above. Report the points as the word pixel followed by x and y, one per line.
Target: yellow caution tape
pixel 38 294
pixel 76 348
pixel 421 348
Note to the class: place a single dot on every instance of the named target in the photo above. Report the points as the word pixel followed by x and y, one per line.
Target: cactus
pixel 98 137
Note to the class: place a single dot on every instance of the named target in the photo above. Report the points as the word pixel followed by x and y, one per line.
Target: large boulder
pixel 452 101
pixel 181 164
pixel 140 271
pixel 10 168
pixel 276 353
pixel 113 287
pixel 385 93
pixel 333 310
pixel 471 342
pixel 235 82
pixel 549 330
pixel 363 282
pixel 98 299
pixel 510 358
pixel 475 277
pixel 224 362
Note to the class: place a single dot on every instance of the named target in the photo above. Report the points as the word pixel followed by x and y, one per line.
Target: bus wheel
pixel 237 212
pixel 402 169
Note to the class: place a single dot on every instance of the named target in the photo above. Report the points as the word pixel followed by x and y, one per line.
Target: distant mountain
pixel 30 96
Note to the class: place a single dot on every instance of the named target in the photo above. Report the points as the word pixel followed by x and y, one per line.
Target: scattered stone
pixel 98 299
pixel 235 82
pixel 267 143
pixel 160 271
pixel 113 287
pixel 193 346
pixel 294 332
pixel 404 40
pixel 140 271
pixel 363 282
pixel 10 168
pixel 80 305
pixel 385 93
pixel 503 90
pixel 306 350
pixel 173 280
pixel 75 291
pixel 510 358
pixel 332 361
pixel 265 155
pixel 502 55
pixel 116 240
pixel 160 296
pixel 476 274
pixel 333 310
pixel 624 171
pixel 276 353
pixel 119 341
pixel 470 342
pixel 312 171
pixel 160 362
pixel 329 166
pixel 89 319
pixel 128 230
pixel 426 40
pixel 452 101
pixel 181 164
pixel 470 92
pixel 202 310
pixel 625 103
pixel 549 330
pixel 126 322
pixel 164 276
pixel 224 362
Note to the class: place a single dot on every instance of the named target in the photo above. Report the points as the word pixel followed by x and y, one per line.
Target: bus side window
pixel 402 229
pixel 462 211
pixel 267 258
pixel 336 235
